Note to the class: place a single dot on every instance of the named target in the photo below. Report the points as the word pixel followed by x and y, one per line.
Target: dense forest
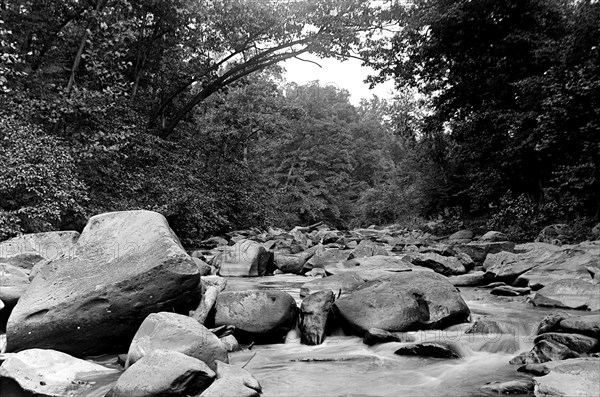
pixel 179 106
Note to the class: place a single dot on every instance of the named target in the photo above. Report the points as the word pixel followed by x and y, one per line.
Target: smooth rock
pixel 472 279
pixel 506 266
pixel 325 257
pixel 227 388
pixel 13 284
pixel 586 325
pixel 340 284
pixel 259 316
pixel 429 349
pixel 573 377
pixel 230 343
pixel 446 265
pixel 478 251
pixel 375 336
pixel 576 342
pixel 549 323
pixel 534 369
pixel 238 375
pixel 175 332
pixel 367 248
pixel 244 259
pixel 377 262
pixel 521 386
pixel 26 250
pixel 43 372
pixel 570 294
pixel 494 236
pixel 461 235
pixel 126 265
pixel 288 263
pixel 314 313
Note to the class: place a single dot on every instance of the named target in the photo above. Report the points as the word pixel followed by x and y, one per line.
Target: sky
pixel 348 74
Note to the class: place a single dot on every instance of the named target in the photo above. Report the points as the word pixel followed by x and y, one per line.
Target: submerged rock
pixel 125 266
pixel 521 386
pixel 429 349
pixel 375 336
pixel 314 313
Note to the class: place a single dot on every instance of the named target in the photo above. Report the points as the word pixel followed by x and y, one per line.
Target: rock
pixel 472 279
pixel 521 386
pixel 26 250
pixel 175 332
pixel 586 325
pixel 569 293
pixel 492 326
pixel 506 266
pixel 375 336
pixel 237 375
pixel 163 373
pixel 403 301
pixel 461 236
pixel 573 377
pixel 478 251
pixel 325 257
pixel 288 263
pixel 317 272
pixel 507 290
pixel 340 284
pixel 575 342
pixel 13 284
pixel 429 349
pixel 203 267
pixel 314 313
pixel 42 372
pixel 244 259
pixel 543 351
pixel 553 234
pixel 534 369
pixel 596 231
pixel 446 265
pixel 213 242
pixel 126 265
pixel 377 262
pixel 227 388
pixel 548 323
pixel 230 343
pixel 367 248
pixel 494 237
pixel 259 316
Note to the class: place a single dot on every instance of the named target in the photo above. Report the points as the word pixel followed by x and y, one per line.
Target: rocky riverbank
pixel 126 286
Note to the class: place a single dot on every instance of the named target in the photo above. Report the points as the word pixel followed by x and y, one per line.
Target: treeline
pixel 179 107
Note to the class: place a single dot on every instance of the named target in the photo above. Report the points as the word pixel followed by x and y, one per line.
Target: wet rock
pixel 586 325
pixel 164 373
pixel 213 242
pixel 492 326
pixel 26 250
pixel 259 316
pixel 317 272
pixel 340 284
pixel 507 290
pixel 367 248
pixel 478 251
pixel 544 351
pixel 226 388
pixel 94 302
pixel 576 342
pixel 548 323
pixel 446 265
pixel 236 374
pixel 326 257
pixel 245 258
pixel 403 301
pixel 534 369
pixel 289 263
pixel 175 332
pixel 573 377
pixel 494 237
pixel 42 372
pixel 472 279
pixel 13 284
pixel 314 313
pixel 429 349
pixel 375 336
pixel 230 343
pixel 569 293
pixel 506 266
pixel 377 262
pixel 520 386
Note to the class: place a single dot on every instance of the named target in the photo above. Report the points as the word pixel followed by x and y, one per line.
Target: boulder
pixel 226 388
pixel 520 386
pixel 317 273
pixel 13 284
pixel 553 234
pixel 576 342
pixel 245 258
pixel 125 266
pixel 369 264
pixel 259 316
pixel 506 266
pixel 549 323
pixel 543 351
pixel 446 265
pixel 461 236
pixel 479 250
pixel 367 248
pixel 164 373
pixel 507 290
pixel 26 250
pixel 570 294
pixel 230 343
pixel 493 237
pixel 492 326
pixel 42 372
pixel 314 313
pixel 573 377
pixel 289 263
pixel 586 325
pixel 429 349
pixel 175 332
pixel 238 375
pixel 472 279
pixel 340 284
pixel 325 257
pixel 403 301
pixel 203 267
pixel 375 336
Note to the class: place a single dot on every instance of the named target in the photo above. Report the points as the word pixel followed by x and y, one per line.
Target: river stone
pixel 506 266
pixel 238 375
pixel 471 279
pixel 163 373
pixel 507 290
pixel 367 248
pixel 549 323
pixel 576 342
pixel 492 326
pixel 375 336
pixel 226 388
pixel 230 343
pixel 259 316
pixel 203 268
pixel 479 250
pixel 244 259
pixel 324 258
pixel 429 349
pixel 377 262
pixel 126 265
pixel 288 263
pixel 586 325
pixel 572 377
pixel 176 332
pixel 494 237
pixel 446 265
pixel 340 284
pixel 534 369
pixel 570 294
pixel 314 313
pixel 13 284
pixel 26 250
pixel 42 372
pixel 461 236
pixel 403 301
pixel 520 386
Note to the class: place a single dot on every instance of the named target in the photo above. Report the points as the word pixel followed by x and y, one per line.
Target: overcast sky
pixel 348 74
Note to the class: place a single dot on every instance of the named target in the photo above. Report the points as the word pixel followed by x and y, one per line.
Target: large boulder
pixel 289 263
pixel 369 264
pixel 26 250
pixel 125 266
pixel 446 265
pixel 585 325
pixel 13 284
pixel 403 301
pixel 324 258
pixel 506 266
pixel 340 284
pixel 245 258
pixel 51 373
pixel 314 313
pixel 572 377
pixel 570 294
pixel 367 248
pixel 259 316
pixel 479 250
pixel 176 332
pixel 462 236
pixel 576 342
pixel 164 373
